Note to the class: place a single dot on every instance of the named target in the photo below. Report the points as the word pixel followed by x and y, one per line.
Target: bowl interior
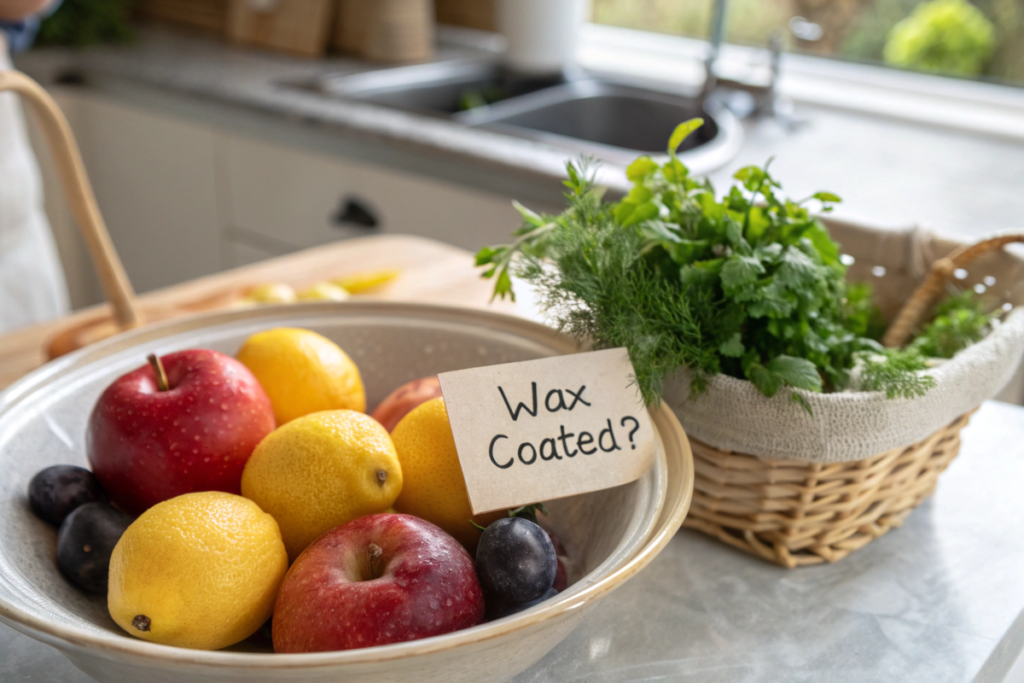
pixel 43 418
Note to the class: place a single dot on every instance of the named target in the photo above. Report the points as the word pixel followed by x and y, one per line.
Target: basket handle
pixel 80 197
pixel 914 310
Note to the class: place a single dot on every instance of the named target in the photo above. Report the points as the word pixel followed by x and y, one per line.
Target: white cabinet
pixel 184 199
pixel 154 177
pixel 302 199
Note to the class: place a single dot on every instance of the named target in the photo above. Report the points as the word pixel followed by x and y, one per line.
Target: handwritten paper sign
pixel 544 429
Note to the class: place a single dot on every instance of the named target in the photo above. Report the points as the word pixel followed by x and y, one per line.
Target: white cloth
pixel 32 287
pixel 733 415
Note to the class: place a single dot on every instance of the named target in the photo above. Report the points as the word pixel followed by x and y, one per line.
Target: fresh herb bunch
pixel 750 285
pixel 895 373
pixel 957 322
pixel 960 320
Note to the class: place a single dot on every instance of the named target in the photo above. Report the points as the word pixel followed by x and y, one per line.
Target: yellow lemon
pixel 324 291
pixel 272 293
pixel 320 471
pixel 200 570
pixel 360 282
pixel 435 489
pixel 302 373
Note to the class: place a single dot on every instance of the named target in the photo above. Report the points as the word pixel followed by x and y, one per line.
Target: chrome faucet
pixel 761 96
pixel 717 36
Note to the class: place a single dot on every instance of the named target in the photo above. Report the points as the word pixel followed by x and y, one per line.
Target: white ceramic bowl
pixel 611 534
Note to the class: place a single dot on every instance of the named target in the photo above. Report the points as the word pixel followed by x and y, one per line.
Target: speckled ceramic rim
pixel 673 508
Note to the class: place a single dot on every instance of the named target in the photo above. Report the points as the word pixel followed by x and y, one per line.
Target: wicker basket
pixel 796 512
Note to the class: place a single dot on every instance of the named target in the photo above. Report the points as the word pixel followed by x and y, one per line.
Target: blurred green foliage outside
pixel 980 38
pixel 947 36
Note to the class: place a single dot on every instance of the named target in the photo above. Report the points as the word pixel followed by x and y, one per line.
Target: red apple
pixel 402 400
pixel 147 442
pixel 379 579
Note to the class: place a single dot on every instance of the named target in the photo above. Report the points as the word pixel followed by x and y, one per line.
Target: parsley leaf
pixel 733 346
pixel 796 372
pixel 739 271
pixel 767 382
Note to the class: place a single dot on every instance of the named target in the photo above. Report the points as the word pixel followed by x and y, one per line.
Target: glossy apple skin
pixel 427 586
pixel 402 400
pixel 146 445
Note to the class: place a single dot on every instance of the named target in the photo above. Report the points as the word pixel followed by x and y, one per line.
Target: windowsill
pixel 976 107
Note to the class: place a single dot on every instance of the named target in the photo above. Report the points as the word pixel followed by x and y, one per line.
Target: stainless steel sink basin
pixel 612 122
pixel 442 89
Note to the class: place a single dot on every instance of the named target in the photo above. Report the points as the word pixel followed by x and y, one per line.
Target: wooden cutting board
pixel 431 272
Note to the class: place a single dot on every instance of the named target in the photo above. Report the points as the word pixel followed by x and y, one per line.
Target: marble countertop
pixel 890 173
pixel 940 599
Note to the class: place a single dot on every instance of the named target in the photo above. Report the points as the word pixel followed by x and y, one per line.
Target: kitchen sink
pixel 441 89
pixel 610 121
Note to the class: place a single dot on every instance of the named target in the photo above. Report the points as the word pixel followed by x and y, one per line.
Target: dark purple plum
pixel 515 561
pixel 56 491
pixel 85 542
pixel 497 610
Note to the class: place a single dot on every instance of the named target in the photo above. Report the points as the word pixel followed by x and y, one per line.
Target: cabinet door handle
pixel 357 213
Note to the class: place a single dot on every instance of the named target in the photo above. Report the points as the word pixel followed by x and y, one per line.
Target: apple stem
pixel 158 368
pixel 375 553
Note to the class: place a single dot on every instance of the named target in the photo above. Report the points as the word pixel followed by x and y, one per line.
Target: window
pixel 982 39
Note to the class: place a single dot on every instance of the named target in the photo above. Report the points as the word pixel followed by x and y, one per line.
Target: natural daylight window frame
pixel 979 107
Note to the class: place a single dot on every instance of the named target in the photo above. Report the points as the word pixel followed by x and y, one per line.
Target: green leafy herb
pixel 895 371
pixel 682 132
pixel 748 284
pixel 959 321
pixel 862 316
